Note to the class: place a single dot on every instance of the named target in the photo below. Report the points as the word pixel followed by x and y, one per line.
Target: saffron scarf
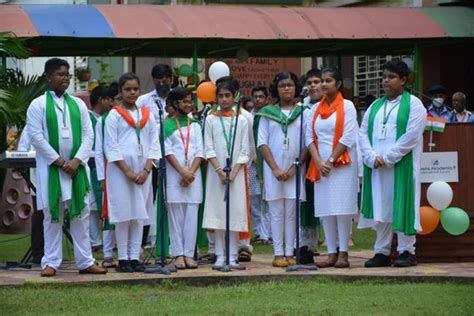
pixel 80 182
pixel 404 184
pixel 325 110
pixel 145 115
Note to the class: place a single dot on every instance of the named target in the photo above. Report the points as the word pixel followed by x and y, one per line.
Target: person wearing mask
pixel 437 107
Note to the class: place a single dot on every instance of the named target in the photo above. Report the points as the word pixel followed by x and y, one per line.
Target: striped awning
pixel 173 30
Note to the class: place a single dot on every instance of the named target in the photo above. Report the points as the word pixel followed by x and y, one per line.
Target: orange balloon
pixel 429 219
pixel 206 92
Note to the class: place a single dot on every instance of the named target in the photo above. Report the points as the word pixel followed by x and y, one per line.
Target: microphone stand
pixel 227 169
pixel 298 266
pixel 162 268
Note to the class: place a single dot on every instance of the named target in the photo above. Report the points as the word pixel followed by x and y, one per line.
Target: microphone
pixel 158 103
pixel 206 110
pixel 304 93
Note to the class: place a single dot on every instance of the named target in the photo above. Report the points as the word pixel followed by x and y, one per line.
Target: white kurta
pixel 392 151
pixel 214 205
pixel 174 146
pixel 270 133
pixel 46 155
pixel 337 193
pixel 99 151
pixel 92 199
pixel 127 200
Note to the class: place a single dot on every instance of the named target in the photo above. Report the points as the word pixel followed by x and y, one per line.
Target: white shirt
pixel 148 100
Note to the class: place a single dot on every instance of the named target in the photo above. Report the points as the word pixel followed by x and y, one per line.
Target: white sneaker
pixel 234 264
pixel 219 262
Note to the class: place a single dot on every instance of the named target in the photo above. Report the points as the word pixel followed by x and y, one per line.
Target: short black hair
pixel 113 90
pixel 178 93
pixel 54 64
pixel 228 83
pixel 335 73
pixel 98 93
pixel 160 71
pixel 397 66
pixel 314 72
pixel 128 76
pixel 260 88
pixel 282 76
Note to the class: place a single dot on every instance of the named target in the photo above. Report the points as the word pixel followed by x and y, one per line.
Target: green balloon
pixel 455 221
pixel 185 70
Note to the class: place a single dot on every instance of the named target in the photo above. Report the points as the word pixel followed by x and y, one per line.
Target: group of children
pixel 226 147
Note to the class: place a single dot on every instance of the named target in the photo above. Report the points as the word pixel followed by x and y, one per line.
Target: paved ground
pixel 259 269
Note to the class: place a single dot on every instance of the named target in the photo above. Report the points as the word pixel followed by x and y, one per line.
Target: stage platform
pixel 259 269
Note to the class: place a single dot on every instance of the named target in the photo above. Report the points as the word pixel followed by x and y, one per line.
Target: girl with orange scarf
pixel 331 132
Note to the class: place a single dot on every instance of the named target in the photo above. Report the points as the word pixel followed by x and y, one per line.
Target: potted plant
pixel 83 74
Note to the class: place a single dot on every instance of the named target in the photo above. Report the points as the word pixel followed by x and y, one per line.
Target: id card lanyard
pixel 65 132
pixel 185 141
pixel 227 137
pixel 137 131
pixel 284 128
pixel 383 131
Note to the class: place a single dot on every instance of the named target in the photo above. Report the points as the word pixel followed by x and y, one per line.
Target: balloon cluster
pixel 206 91
pixel 454 220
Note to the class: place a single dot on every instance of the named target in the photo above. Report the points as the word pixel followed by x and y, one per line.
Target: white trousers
pixel 266 225
pixel 244 244
pixel 383 241
pixel 109 243
pixel 337 230
pixel 129 239
pixel 183 222
pixel 282 214
pixel 309 237
pixel 94 228
pixel 211 243
pixel 219 236
pixel 53 233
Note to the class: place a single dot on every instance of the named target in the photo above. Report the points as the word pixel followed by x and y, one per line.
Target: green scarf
pixel 80 183
pixel 170 126
pixel 271 112
pixel 404 186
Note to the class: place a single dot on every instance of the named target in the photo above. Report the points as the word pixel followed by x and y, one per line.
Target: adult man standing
pixel 61 131
pixel 437 107
pixel 162 76
pixel 460 114
pixel 391 143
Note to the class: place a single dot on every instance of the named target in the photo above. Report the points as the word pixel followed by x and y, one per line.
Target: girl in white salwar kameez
pixel 219 132
pixel 278 141
pixel 331 135
pixel 130 146
pixel 184 152
pixel 391 143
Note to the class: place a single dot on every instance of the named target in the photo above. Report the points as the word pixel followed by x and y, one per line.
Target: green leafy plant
pixel 104 77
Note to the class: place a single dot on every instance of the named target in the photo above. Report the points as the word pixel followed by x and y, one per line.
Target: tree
pixel 16 90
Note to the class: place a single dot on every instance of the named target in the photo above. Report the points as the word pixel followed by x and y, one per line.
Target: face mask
pixel 438 102
pixel 162 89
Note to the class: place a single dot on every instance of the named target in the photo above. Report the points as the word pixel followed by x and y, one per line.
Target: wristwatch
pixel 331 160
pixel 147 170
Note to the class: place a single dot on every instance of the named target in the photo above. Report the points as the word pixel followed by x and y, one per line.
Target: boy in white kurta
pixel 391 143
pixel 61 132
pixel 184 151
pixel 131 144
pixel 279 129
pixel 218 141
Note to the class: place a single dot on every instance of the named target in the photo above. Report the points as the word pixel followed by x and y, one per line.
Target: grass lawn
pixel 290 297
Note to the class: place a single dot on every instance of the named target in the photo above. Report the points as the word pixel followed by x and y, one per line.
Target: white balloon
pixel 218 70
pixel 439 195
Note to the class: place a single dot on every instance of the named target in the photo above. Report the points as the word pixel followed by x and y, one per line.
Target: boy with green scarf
pixel 61 131
pixel 391 143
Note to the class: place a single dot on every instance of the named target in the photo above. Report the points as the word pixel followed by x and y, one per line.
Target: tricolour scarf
pixel 80 182
pixel 404 184
pixel 325 111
